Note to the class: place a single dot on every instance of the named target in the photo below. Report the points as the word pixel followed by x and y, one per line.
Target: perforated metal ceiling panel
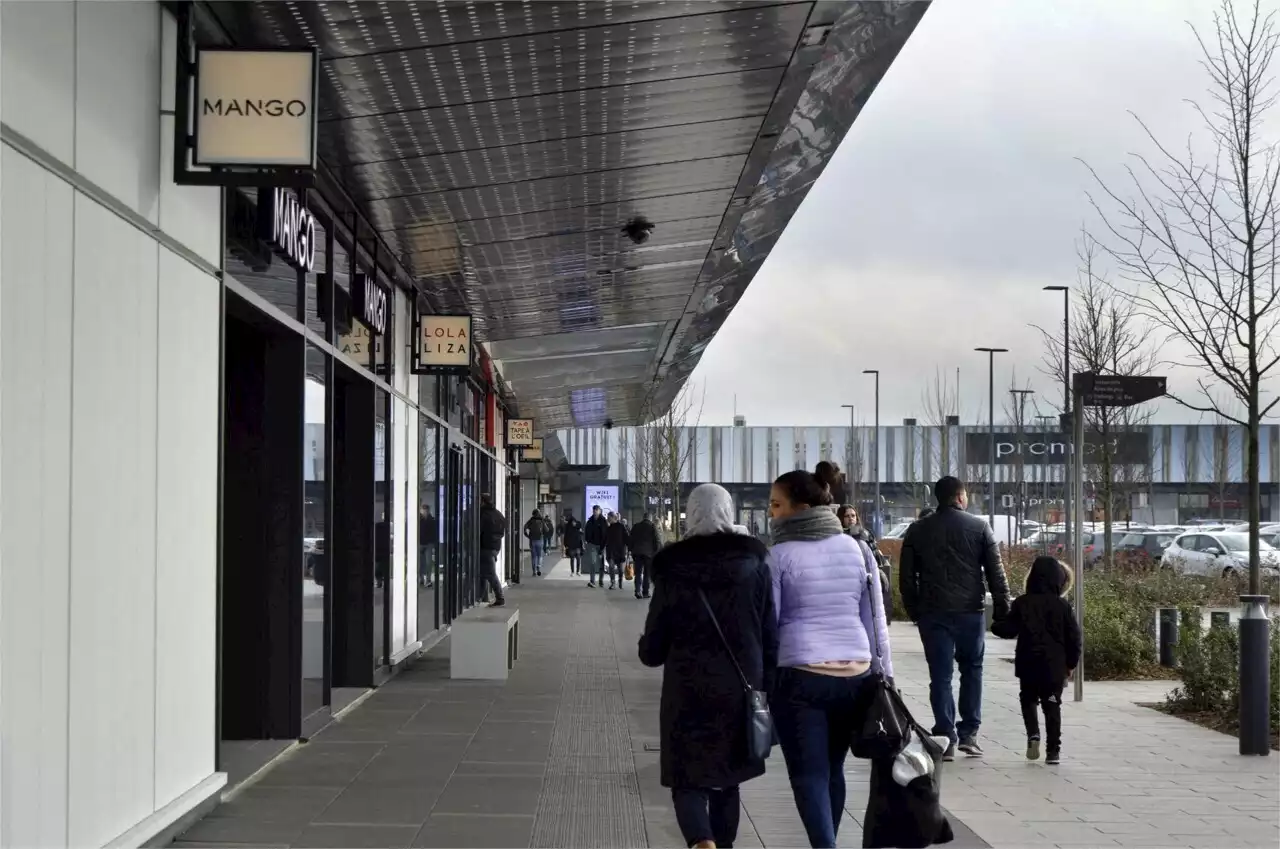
pixel 500 148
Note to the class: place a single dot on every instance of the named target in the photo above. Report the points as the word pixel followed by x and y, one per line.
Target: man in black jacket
pixel 644 545
pixel 950 560
pixel 493 529
pixel 596 534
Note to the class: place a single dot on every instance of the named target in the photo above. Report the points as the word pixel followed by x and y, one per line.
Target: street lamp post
pixel 1066 407
pixel 1045 423
pixel 853 455
pixel 877 521
pixel 1019 409
pixel 991 419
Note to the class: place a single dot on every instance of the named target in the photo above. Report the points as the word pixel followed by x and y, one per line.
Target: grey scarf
pixel 809 525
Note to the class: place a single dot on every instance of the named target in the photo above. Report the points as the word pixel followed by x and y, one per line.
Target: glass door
pixel 451 536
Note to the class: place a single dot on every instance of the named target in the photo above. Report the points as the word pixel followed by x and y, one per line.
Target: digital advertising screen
pixel 604 497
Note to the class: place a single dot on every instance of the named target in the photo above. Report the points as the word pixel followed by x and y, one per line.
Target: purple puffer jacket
pixel 824 611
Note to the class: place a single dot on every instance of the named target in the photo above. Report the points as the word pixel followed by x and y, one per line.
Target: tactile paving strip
pixel 590 796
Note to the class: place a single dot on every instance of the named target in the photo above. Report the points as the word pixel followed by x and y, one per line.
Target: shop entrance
pixel 263 495
pixel 451 539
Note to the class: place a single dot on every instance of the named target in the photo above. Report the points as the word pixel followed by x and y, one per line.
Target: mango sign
pixel 444 342
pixel 519 432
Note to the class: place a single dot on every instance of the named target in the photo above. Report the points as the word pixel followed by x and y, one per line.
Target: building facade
pixel 1163 473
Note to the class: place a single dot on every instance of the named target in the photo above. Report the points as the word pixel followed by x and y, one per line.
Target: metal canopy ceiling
pixel 500 148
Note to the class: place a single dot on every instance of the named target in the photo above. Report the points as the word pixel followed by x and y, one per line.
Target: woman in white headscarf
pixel 714 571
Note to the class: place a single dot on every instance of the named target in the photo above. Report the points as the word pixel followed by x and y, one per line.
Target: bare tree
pixel 1109 336
pixel 1197 239
pixel 662 451
pixel 1226 469
pixel 940 401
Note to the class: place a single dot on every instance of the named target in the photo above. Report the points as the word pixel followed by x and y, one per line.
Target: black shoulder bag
pixel 881 722
pixel 759 722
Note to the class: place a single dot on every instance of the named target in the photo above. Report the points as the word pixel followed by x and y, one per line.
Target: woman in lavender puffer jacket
pixel 832 635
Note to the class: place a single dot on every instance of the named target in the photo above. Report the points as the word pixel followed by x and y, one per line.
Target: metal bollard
pixel 1169 637
pixel 1219 619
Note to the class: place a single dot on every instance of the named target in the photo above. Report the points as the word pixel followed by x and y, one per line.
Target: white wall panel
pixel 35 493
pixel 401 591
pixel 186 526
pixel 411 530
pixel 117 66
pixel 113 530
pixel 37 72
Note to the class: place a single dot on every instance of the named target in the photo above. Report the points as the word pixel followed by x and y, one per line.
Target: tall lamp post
pixel 1066 407
pixel 1046 422
pixel 877 522
pixel 853 455
pixel 1019 407
pixel 991 419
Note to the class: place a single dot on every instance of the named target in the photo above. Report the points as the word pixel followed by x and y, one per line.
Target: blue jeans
pixel 952 639
pixel 535 553
pixel 595 563
pixel 814 718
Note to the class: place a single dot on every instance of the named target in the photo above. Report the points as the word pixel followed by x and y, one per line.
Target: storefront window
pixel 430 510
pixel 382 529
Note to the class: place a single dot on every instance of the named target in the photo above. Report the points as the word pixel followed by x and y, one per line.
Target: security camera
pixel 608 424
pixel 638 230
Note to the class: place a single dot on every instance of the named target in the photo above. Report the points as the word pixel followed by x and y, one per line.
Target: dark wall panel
pixel 352 535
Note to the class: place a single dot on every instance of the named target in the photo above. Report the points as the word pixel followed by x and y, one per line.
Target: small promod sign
pixel 255 108
pixel 519 432
pixel 442 343
pixel 532 453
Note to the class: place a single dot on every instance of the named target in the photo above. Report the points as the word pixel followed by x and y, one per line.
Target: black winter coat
pixel 702 719
pixel 949 562
pixel 644 539
pixel 1046 628
pixel 493 529
pixel 616 541
pixel 597 532
pixel 571 534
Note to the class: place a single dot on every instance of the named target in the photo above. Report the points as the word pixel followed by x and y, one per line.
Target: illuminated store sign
pixel 288 227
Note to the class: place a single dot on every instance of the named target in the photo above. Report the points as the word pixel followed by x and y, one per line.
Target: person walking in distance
pixel 548 533
pixel 596 535
pixel 711 626
pixel 571 537
pixel 950 561
pixel 644 546
pixel 616 541
pixel 533 529
pixel 493 529
pixel 428 537
pixel 1047 653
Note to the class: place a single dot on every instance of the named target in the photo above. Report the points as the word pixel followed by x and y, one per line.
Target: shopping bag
pixel 630 573
pixel 904 800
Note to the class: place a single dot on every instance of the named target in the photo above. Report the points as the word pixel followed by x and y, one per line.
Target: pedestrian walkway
pixel 565 754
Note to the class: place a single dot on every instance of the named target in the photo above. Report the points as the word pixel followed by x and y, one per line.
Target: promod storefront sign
pixel 442 344
pixel 255 108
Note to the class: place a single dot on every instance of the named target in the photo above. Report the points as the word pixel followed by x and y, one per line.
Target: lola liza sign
pixel 443 343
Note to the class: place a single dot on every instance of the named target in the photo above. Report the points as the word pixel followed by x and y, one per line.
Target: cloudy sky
pixel 954 199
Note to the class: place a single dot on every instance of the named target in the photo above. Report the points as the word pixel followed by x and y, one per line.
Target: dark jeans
pixel 643 563
pixel 952 639
pixel 1048 697
pixel 575 561
pixel 706 814
pixel 489 564
pixel 813 715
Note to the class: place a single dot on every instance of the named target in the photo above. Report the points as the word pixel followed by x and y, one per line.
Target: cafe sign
pixel 519 432
pixel 442 343
pixel 532 453
pixel 255 108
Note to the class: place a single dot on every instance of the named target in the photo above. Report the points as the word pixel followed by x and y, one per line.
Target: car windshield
pixel 1240 542
pixel 1132 541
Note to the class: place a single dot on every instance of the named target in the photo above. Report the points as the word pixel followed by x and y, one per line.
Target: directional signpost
pixel 1097 390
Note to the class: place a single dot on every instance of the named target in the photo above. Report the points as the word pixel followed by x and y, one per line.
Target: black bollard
pixel 1255 676
pixel 1169 637
pixel 1219 619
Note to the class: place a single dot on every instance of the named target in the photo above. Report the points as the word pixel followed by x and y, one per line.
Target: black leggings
pixel 707 814
pixel 1046 697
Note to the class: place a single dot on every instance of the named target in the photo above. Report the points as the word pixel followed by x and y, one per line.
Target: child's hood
pixel 1047 577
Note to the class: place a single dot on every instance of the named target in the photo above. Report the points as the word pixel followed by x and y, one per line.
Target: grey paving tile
pixel 513 741
pixel 277 804
pixel 470 831
pixel 356 837
pixel 414 759
pixel 510 769
pixel 242 830
pixel 470 794
pixel 383 804
pixel 447 717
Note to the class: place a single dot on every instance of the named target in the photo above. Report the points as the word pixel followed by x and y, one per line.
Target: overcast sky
pixel 953 200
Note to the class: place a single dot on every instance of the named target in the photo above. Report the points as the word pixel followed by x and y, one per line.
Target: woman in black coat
pixel 703 721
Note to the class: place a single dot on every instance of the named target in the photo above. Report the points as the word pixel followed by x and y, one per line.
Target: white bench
pixel 484 644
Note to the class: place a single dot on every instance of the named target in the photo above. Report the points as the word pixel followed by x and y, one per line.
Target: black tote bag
pixel 755 704
pixel 881 720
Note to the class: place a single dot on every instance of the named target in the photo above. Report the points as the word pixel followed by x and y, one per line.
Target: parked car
pixel 1217 553
pixel 1142 548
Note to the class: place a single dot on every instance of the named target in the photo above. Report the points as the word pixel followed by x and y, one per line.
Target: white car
pixel 1226 554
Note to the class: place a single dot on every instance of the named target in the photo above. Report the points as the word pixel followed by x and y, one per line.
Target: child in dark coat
pixel 1047 654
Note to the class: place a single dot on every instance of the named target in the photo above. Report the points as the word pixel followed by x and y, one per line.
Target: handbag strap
pixel 746 685
pixel 871 598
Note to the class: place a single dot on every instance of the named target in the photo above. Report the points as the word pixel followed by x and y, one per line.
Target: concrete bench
pixel 484 644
